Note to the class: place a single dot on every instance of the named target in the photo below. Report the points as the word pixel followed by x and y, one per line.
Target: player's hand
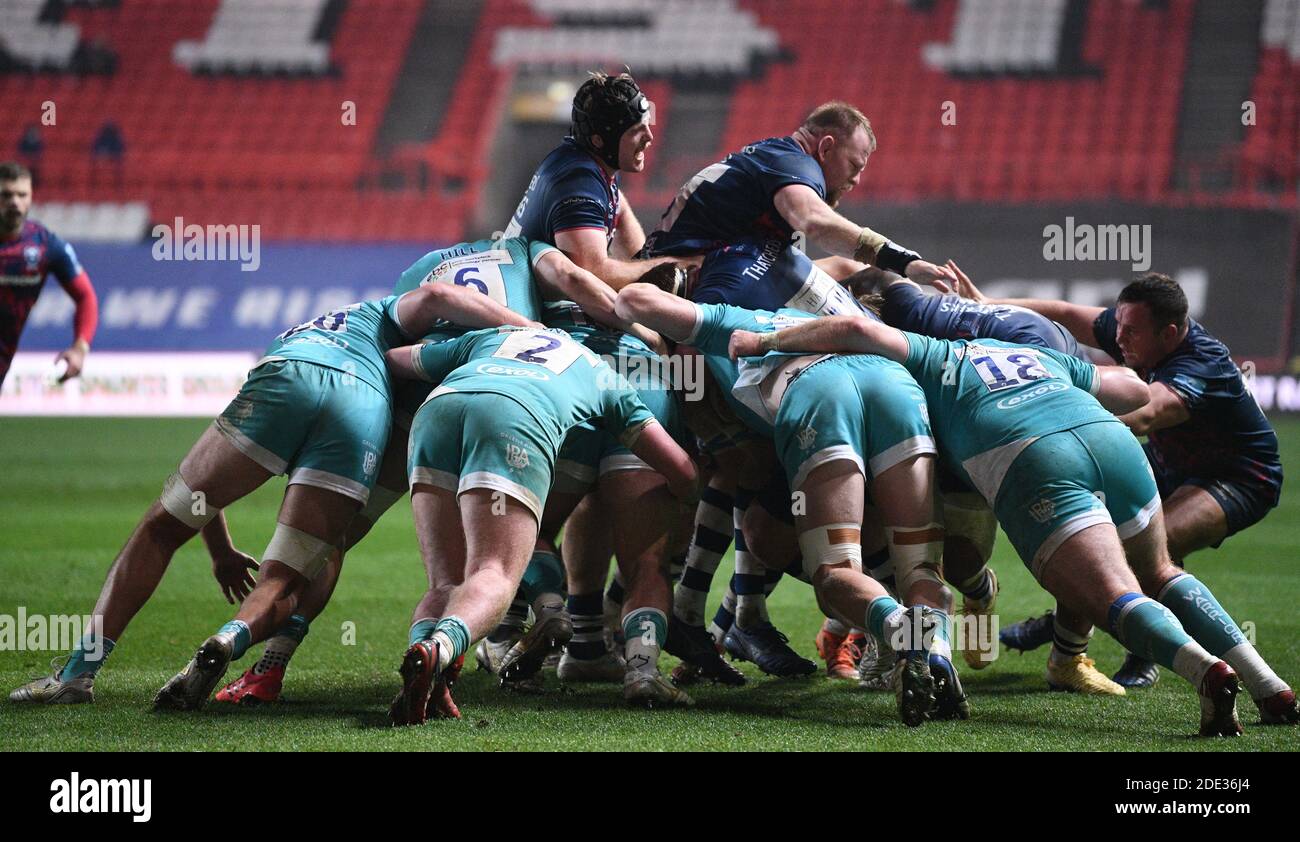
pixel 234 570
pixel 75 358
pixel 744 344
pixel 651 338
pixel 963 286
pixel 925 272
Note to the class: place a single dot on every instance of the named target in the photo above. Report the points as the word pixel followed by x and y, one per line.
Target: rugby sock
pixel 452 636
pixel 676 567
pixel 1150 630
pixel 280 648
pixel 544 575
pixel 587 612
pixel 835 627
pixel 237 634
pixel 421 630
pixel 977 588
pixel 1206 621
pixel 888 621
pixel 725 617
pixel 644 632
pixel 1066 644
pixel 713 528
pixel 749 582
pixel 87 658
pixel 512 624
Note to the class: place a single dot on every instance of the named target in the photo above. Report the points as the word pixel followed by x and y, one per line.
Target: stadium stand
pixel 230 109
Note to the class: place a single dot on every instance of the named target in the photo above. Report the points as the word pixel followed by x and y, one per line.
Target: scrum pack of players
pixel 867 447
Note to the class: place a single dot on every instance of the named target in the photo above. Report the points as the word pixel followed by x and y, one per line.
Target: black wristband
pixel 895 258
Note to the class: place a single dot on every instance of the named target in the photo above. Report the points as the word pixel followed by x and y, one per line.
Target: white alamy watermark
pixel 74 794
pixel 1098 242
pixel 23 632
pixel 179 241
pixel 680 372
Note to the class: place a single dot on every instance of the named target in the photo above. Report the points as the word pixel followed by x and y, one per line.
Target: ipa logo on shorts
pixel 370 462
pixel 1043 510
pixel 806 437
pixel 516 457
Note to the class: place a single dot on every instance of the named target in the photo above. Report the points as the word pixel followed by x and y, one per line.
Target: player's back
pixel 733 199
pixel 569 190
pixel 908 307
pixel 556 379
pixel 352 339
pixel 500 269
pixel 989 400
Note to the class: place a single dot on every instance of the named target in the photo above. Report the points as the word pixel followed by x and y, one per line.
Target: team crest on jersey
pixel 1043 510
pixel 806 437
pixel 516 457
pixel 32 257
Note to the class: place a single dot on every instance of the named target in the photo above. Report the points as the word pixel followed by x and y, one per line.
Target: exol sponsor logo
pixel 92 795
pixel 493 368
pixel 1025 397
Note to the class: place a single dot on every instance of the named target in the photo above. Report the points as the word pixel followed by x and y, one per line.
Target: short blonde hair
pixel 839 119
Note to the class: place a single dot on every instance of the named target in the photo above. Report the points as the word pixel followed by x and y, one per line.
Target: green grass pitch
pixel 74 489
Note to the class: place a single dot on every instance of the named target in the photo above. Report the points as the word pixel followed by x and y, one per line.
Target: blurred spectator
pixel 108 143
pixel 107 150
pixel 30 148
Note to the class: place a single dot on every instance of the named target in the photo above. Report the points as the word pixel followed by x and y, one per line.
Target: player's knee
pixel 830 548
pixel 186 505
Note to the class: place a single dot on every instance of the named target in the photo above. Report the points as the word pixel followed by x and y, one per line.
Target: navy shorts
pixel 1244 503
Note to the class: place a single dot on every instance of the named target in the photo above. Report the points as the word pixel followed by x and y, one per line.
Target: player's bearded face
pixel 842 165
pixel 15 199
pixel 632 146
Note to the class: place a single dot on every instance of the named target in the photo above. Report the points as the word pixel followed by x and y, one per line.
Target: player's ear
pixel 824 146
pixel 598 141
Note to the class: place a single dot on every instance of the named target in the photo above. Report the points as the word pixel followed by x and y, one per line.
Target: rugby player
pixel 316 408
pixel 1214 454
pixel 742 213
pixel 843 426
pixel 573 202
pixel 1061 473
pixel 28 253
pixel 971 525
pixel 482 456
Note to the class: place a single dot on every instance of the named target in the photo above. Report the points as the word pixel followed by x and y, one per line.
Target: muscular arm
pixel 629 237
pixel 1121 390
pixel 830 334
pixel 594 296
pixel 586 248
pixel 1165 409
pixel 658 310
pixel 419 309
pixel 801 207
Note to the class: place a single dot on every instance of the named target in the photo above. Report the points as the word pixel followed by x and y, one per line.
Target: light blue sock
pixel 240 637
pixel 1147 628
pixel 452 636
pixel 88 657
pixel 422 630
